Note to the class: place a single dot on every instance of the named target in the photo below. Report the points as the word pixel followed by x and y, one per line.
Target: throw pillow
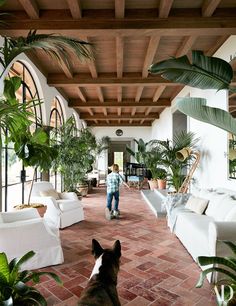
pixel 50 193
pixel 196 204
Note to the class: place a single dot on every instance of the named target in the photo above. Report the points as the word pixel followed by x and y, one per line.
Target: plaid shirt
pixel 114 180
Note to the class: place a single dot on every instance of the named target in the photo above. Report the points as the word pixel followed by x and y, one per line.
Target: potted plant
pixel 75 155
pixel 15 288
pixel 153 159
pixel 161 178
pixel 227 268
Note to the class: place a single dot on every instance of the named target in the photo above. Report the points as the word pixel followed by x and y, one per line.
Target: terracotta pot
pixel 41 210
pixel 153 184
pixel 83 189
pixel 161 184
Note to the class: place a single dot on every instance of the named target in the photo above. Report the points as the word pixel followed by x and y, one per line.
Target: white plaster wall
pixel 213 168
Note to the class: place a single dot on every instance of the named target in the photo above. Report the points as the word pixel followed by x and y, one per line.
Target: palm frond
pixel 56 46
pixel 204 72
pixel 197 109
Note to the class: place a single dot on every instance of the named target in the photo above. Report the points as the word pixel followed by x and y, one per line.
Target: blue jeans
pixel 110 197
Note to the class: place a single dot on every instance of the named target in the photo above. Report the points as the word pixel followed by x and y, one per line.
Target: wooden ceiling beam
pixel 209 6
pixel 119 111
pixel 66 69
pixel 31 8
pixel 107 79
pixel 201 26
pixel 119 93
pixel 114 104
pixel 133 111
pixel 75 8
pixel 151 51
pixel 81 94
pixel 100 94
pixel 158 92
pixel 124 116
pixel 186 45
pixel 103 124
pixel 164 8
pixel 217 45
pixel 139 93
pixel 119 56
pixel 120 8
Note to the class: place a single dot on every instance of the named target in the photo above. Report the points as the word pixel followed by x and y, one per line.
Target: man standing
pixel 114 180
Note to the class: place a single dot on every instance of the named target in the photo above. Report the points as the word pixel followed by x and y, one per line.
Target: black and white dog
pixel 101 289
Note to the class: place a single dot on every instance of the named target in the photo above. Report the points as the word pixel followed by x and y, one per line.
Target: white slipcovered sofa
pixel 202 234
pixel 24 230
pixel 61 212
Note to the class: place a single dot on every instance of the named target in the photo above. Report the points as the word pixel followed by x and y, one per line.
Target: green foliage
pixel 13 282
pixel 224 265
pixel 76 154
pixel 140 154
pixel 56 46
pixel 197 109
pixel 205 72
pixel 161 174
pixel 14 115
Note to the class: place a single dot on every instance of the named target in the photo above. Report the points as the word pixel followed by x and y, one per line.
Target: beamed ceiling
pixel 128 35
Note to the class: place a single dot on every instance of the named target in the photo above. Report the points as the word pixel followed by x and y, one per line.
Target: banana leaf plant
pixel 140 154
pixel 205 72
pixel 15 288
pixel 224 265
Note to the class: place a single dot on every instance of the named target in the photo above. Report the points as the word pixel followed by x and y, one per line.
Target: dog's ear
pixel 117 248
pixel 97 250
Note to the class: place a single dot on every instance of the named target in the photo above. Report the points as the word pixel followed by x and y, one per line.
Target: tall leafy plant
pixel 14 283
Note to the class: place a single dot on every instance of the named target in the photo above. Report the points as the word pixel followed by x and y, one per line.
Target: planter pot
pixel 161 184
pixel 83 189
pixel 153 184
pixel 40 207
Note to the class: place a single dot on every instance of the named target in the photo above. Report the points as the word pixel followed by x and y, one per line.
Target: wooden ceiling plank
pixel 217 45
pixel 139 93
pixel 158 92
pixel 78 103
pixel 119 111
pixel 151 51
pixel 75 8
pixel 31 8
pixel 103 124
pixel 119 93
pixel 120 8
pixel 91 63
pixel 107 79
pixel 133 111
pixel 164 8
pixel 104 111
pixel 66 69
pixel 100 94
pixel 148 111
pixel 209 6
pixel 81 94
pixel 186 45
pixel 119 56
pixel 114 116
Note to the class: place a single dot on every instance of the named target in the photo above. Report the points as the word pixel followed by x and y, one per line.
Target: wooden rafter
pixel 151 51
pixel 81 94
pixel 100 94
pixel 119 93
pixel 119 111
pixel 129 103
pixel 120 8
pixel 139 93
pixel 119 56
pixel 164 8
pixel 107 79
pixel 66 69
pixel 75 8
pixel 31 8
pixel 186 45
pixel 124 116
pixel 158 92
pixel 217 45
pixel 120 123
pixel 209 6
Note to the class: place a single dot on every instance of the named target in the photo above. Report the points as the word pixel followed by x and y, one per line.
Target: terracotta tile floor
pixel 155 267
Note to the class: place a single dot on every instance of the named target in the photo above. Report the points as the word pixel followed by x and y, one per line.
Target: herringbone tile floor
pixel 155 267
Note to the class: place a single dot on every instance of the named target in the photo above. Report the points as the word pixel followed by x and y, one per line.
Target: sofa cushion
pixel 50 193
pixel 192 230
pixel 65 205
pixel 196 204
pixel 216 200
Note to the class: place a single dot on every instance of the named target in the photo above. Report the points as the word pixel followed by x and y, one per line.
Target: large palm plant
pixel 204 73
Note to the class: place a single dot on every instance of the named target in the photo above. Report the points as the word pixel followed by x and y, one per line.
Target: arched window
pixel 56 120
pixel 15 176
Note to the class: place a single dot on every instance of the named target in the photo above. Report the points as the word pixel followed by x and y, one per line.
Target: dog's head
pixel 108 260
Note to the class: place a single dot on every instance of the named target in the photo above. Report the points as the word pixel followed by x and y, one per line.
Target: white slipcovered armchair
pixel 61 212
pixel 24 230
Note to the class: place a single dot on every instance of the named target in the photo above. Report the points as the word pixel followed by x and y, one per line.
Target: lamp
pixel 182 155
